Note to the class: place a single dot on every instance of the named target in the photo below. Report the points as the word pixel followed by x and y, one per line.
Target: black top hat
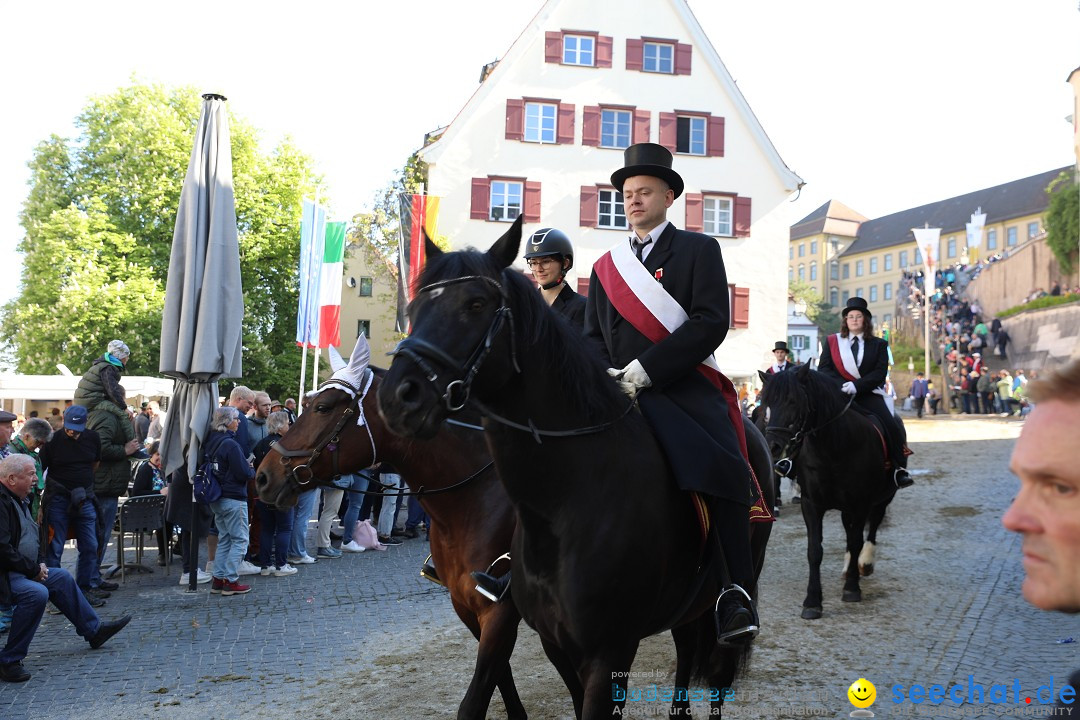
pixel 856 303
pixel 648 159
pixel 780 345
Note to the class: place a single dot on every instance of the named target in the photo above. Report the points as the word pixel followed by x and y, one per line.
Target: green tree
pixel 98 224
pixel 1063 221
pixel 818 311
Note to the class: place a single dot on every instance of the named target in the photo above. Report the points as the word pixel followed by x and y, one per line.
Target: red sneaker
pixel 233 587
pixel 217 585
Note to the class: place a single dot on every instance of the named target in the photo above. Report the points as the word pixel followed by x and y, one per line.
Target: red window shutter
pixel 716 137
pixel 742 217
pixel 683 55
pixel 481 199
pixel 642 118
pixel 740 311
pixel 695 212
pixel 590 126
pixel 532 201
pixel 515 119
pixel 604 46
pixel 669 130
pixel 583 286
pixel 553 47
pixel 635 54
pixel 590 206
pixel 565 132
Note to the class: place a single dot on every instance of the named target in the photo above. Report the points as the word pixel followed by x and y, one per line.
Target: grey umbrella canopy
pixel 204 306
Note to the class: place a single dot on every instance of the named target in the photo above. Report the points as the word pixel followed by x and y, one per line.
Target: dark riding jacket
pixel 571 306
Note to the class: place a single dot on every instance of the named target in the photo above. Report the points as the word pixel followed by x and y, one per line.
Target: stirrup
pixel 490 586
pixel 908 480
pixel 428 572
pixel 743 633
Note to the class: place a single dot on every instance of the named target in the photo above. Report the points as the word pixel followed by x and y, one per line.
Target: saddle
pixel 883 436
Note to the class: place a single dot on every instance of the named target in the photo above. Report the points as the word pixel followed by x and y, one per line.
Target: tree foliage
pixel 1063 221
pixel 99 222
pixel 818 311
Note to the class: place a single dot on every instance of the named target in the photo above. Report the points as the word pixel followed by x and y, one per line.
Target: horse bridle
pixel 332 439
pixel 456 393
pixel 794 444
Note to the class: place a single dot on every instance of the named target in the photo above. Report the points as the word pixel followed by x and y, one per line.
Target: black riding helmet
pixel 549 242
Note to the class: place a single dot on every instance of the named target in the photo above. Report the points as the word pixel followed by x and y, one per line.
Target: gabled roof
pixel 1000 203
pixel 833 217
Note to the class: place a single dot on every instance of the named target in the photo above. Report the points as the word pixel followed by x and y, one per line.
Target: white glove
pixel 631 378
pixel 849 388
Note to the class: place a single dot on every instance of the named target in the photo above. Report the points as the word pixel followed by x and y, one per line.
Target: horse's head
pixel 461 321
pixel 785 397
pixel 334 435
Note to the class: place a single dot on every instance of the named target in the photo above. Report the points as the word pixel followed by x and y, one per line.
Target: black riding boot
pixel 736 617
pixel 492 587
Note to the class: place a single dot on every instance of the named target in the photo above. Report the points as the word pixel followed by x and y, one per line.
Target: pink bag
pixel 366 536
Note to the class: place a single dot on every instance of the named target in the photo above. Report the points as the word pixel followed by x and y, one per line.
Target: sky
pixel 882 106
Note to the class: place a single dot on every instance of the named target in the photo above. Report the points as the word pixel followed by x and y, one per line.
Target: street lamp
pixel 927 239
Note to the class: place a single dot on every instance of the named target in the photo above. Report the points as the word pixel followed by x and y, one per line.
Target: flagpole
pixel 307 330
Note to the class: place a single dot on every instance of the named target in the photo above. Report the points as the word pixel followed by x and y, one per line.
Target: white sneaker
pixel 246 568
pixel 284 570
pixel 353 547
pixel 210 567
pixel 268 570
pixel 201 578
pixel 304 559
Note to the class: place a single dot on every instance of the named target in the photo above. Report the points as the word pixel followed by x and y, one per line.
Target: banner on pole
pixel 333 267
pixel 928 240
pixel 312 235
pixel 418 214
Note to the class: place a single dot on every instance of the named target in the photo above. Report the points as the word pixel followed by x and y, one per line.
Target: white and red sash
pixel 646 305
pixel 844 362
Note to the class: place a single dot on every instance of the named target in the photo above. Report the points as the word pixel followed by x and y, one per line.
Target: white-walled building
pixel 547 127
pixel 802 334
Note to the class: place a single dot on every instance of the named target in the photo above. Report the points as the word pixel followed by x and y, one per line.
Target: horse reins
pixel 456 394
pixel 794 444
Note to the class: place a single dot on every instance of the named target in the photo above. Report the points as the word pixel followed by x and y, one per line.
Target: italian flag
pixel 333 267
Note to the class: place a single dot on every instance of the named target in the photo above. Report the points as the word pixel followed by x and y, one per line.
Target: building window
pixel 799 342
pixel 918 256
pixel 858 268
pixel 858 292
pixel 903 259
pixel 790 274
pixel 950 247
pixel 834 270
pixel 991 239
pixel 844 297
pixel 873 265
pixel 1033 229
pixel 363 327
pixel 658 58
pixel 802 249
pixel 611 213
pixel 887 287
pixel 716 215
pixel 813 247
pixel 540 122
pixel 791 252
pixel 690 135
pixel 834 296
pixel 873 294
pixel 847 271
pixel 886 320
pixel 802 272
pixel 364 288
pixel 505 200
pixel 813 270
pixel 888 262
pixel 578 50
pixel 1010 236
pixel 615 128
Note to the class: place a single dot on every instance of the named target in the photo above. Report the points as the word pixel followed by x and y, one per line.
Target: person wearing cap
pixel 70 507
pixel 780 352
pixel 859 361
pixel 550 255
pixel 142 423
pixel 100 390
pixel 659 348
pixel 7 430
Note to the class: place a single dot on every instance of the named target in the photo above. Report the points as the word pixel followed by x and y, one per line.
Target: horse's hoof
pixel 866 570
pixel 811 613
pixel 852 596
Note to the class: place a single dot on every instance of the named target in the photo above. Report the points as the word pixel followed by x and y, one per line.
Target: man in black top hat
pixel 660 348
pixel 860 362
pixel 780 352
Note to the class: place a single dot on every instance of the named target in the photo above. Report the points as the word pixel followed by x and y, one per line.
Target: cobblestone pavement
pixel 365 636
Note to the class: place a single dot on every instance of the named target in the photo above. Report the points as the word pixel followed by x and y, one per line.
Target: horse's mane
pixel 818 392
pixel 558 346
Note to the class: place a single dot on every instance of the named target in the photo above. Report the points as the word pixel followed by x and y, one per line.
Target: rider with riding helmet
pixel 860 361
pixel 550 255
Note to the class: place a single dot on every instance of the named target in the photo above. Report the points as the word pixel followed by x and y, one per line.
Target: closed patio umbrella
pixel 204 307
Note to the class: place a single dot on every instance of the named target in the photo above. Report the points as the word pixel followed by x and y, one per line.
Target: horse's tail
pixel 713 665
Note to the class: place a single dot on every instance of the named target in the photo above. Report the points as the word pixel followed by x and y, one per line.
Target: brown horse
pixel 472 523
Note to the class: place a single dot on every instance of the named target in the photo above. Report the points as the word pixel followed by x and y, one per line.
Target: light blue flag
pixel 312 235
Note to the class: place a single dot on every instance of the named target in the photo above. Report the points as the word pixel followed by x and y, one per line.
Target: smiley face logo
pixel 862 693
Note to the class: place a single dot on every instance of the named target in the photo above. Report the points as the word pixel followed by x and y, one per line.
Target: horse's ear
pixel 763 375
pixel 803 372
pixel 505 249
pixel 430 248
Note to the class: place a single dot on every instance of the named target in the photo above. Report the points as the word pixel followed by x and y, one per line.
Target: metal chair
pixel 138 515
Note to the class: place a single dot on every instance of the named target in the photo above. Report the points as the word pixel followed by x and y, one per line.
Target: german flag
pixel 419 213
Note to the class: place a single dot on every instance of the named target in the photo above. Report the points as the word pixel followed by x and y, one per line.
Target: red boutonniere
pixel 659 274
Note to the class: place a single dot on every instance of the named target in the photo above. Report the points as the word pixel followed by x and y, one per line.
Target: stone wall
pixel 1008 282
pixel 1042 339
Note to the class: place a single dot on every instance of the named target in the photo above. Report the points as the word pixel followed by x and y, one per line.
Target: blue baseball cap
pixel 75 418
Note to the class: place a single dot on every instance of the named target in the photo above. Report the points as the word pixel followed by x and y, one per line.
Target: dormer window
pixel 658 58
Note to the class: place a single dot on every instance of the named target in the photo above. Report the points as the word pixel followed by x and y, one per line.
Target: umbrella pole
pixel 315 370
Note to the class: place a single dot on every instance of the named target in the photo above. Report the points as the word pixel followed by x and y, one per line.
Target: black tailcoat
pixel 686 412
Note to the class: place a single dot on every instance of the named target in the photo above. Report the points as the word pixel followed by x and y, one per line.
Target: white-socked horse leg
pixel 866 559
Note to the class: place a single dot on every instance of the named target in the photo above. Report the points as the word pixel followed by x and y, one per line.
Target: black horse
pixel 607 549
pixel 837 455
